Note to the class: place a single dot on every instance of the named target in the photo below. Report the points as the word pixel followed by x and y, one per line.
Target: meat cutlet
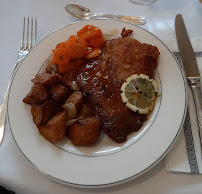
pixel 101 79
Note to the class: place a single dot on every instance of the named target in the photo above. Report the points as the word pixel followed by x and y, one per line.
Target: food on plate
pixel 85 132
pixel 59 93
pixel 125 33
pixel 61 56
pixel 52 68
pixel 73 64
pixel 89 33
pixel 83 83
pixel 94 53
pixel 139 93
pixel 37 94
pixel 68 79
pixel 72 103
pixel 47 79
pixel 101 79
pixel 85 111
pixel 43 112
pixel 75 98
pixel 70 54
pixel 76 47
pixel 54 130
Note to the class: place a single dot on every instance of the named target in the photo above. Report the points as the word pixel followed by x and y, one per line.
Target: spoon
pixel 81 12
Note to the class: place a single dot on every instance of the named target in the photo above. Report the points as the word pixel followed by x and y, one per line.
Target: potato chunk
pixel 85 132
pixel 47 79
pixel 85 111
pixel 43 112
pixel 54 130
pixel 37 94
pixel 59 93
pixel 75 98
pixel 69 77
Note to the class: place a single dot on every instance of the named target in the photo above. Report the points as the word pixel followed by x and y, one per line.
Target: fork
pixel 27 42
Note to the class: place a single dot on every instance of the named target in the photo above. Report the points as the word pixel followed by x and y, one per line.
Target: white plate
pixel 106 163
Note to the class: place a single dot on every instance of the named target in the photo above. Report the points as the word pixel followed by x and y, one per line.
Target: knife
pixel 190 66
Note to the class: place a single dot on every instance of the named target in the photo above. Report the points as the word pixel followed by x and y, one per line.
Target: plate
pixel 106 163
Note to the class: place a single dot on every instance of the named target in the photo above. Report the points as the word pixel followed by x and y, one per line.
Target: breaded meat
pixel 101 79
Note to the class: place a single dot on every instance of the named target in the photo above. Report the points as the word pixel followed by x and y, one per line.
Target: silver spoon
pixel 81 12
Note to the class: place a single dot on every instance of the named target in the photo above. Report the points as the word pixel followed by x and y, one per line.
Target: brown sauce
pixel 101 79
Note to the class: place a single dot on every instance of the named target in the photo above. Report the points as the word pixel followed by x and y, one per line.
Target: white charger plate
pixel 106 163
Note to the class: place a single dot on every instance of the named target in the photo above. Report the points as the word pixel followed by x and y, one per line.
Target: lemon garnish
pixel 139 93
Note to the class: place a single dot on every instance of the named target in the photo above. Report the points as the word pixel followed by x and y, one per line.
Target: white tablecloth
pixel 15 171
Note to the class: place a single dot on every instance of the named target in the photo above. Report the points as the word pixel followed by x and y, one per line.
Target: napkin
pixel 185 155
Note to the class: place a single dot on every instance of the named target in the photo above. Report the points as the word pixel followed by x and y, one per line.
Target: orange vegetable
pixel 83 44
pixel 97 42
pixel 88 32
pixel 88 50
pixel 94 53
pixel 72 37
pixel 76 47
pixel 64 68
pixel 60 56
pixel 61 45
pixel 87 43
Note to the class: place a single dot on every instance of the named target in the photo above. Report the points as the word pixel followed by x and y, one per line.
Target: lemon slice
pixel 139 93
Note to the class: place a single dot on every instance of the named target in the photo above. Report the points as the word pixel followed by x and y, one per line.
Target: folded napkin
pixel 185 155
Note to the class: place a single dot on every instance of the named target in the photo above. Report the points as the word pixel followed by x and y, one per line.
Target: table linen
pixel 185 155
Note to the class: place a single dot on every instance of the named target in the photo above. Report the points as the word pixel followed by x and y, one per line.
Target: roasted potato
pixel 47 79
pixel 42 113
pixel 54 130
pixel 75 98
pixel 85 132
pixel 59 93
pixel 68 78
pixel 37 94
pixel 85 110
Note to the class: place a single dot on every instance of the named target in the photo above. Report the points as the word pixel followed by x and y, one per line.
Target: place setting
pixel 104 100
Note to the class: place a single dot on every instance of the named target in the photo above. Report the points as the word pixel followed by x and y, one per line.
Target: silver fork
pixel 28 41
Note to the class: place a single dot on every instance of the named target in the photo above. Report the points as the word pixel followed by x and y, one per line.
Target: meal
pixel 92 85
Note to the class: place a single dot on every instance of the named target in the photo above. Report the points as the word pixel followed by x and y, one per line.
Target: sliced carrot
pixel 61 45
pixel 97 42
pixel 72 37
pixel 94 53
pixel 89 50
pixel 54 62
pixel 60 56
pixel 76 48
pixel 83 30
pixel 78 61
pixel 87 43
pixel 88 32
pixel 64 68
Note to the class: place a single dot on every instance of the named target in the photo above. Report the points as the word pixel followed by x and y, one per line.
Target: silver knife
pixel 190 66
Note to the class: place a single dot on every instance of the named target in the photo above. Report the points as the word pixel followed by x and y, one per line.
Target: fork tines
pixel 30 40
